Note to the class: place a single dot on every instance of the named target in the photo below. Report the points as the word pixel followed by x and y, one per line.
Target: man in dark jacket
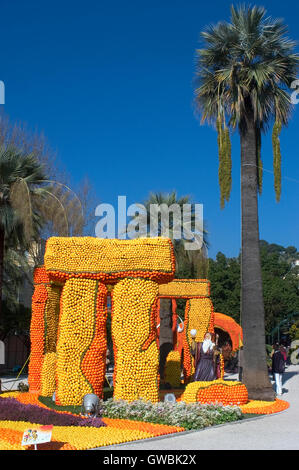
pixel 278 365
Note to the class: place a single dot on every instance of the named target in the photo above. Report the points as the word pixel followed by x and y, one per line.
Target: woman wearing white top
pixel 205 357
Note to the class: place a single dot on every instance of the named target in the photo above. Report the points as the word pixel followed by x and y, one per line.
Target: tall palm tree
pixel 243 76
pixel 192 259
pixel 21 178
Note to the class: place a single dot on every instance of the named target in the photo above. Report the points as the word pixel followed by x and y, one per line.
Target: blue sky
pixel 110 85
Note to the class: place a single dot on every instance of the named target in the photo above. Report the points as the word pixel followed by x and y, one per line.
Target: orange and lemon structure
pixel 69 350
pixel 69 315
pixel 221 391
pixel 228 324
pixel 135 340
pixel 115 431
pixel 69 337
pixel 199 316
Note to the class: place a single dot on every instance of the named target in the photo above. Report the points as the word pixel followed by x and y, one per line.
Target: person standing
pixel 284 353
pixel 278 366
pixel 206 360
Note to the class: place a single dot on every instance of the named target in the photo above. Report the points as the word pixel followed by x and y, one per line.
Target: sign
pixel 37 435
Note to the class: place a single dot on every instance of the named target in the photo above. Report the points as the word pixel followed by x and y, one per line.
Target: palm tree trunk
pixel 255 371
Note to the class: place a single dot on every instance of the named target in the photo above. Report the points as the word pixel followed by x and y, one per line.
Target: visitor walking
pixel 278 367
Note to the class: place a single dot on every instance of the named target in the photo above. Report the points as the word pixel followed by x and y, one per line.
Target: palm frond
pixel 246 68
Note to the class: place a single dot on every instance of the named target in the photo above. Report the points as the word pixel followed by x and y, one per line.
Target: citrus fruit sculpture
pixel 228 324
pixel 199 315
pixel 69 315
pixel 217 391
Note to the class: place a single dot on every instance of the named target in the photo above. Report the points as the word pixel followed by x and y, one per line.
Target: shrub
pixel 189 416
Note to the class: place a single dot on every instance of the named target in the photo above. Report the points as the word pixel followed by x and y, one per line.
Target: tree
pixel 188 262
pixel 243 75
pixel 224 276
pixel 66 211
pixel 46 207
pixel 21 178
pixel 280 283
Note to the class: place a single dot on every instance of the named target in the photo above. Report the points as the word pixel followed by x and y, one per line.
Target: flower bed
pixel 199 315
pixel 180 414
pixel 19 411
pixel 13 410
pixel 121 421
pixel 83 438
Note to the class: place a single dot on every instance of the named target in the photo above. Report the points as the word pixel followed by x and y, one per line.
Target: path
pixel 273 432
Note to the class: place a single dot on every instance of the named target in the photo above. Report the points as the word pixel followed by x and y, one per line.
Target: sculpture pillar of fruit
pixel 199 313
pixel 81 346
pixel 135 340
pixel 43 331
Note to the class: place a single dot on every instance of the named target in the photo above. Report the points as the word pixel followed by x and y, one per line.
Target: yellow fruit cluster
pixel 52 317
pixel 185 288
pixel 107 259
pixel 172 373
pixel 69 328
pixel 116 431
pixel 200 314
pixel 48 379
pixel 76 330
pixel 93 363
pixel 135 342
pixel 227 392
pixel 228 324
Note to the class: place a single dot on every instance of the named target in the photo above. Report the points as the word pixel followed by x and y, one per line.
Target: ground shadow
pixel 286 376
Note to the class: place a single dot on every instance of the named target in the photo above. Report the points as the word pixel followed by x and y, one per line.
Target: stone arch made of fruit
pixel 86 266
pixel 199 315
